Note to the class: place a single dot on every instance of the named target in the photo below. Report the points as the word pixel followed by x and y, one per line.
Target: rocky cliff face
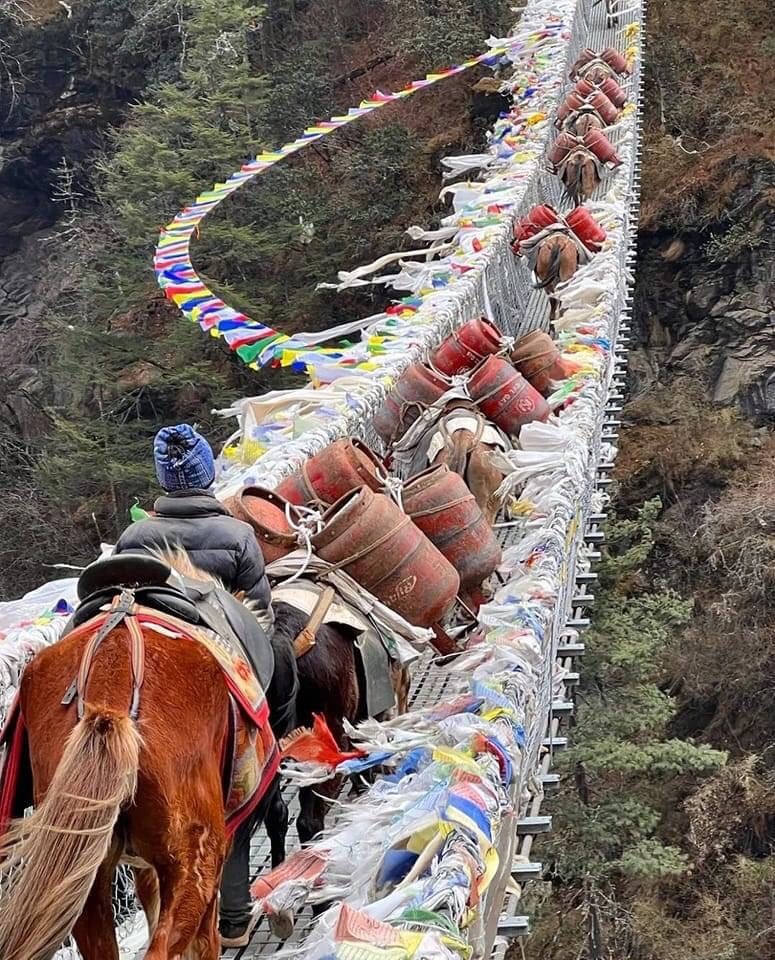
pixel 707 311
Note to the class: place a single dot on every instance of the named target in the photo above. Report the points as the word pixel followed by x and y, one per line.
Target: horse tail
pixel 48 861
pixel 573 185
pixel 552 267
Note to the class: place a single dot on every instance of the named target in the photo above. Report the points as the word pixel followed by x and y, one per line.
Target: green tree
pixel 627 767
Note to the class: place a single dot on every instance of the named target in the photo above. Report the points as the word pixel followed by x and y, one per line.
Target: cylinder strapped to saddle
pixel 594 144
pixel 585 87
pixel 610 59
pixel 537 220
pixel 543 221
pixel 596 99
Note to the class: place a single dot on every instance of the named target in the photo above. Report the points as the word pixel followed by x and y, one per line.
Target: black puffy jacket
pixel 216 542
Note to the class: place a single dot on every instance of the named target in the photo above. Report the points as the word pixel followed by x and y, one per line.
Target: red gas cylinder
pixel 584 87
pixel 615 60
pixel 473 342
pixel 574 101
pixel 539 217
pixel 562 146
pixel 614 92
pixel 505 397
pixel 267 513
pixel 537 357
pixel 606 109
pixel 602 147
pixel 417 388
pixel 370 538
pixel 443 507
pixel 340 467
pixel 586 228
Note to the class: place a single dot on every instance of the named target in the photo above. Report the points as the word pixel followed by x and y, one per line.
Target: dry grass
pixel 708 105
pixel 676 438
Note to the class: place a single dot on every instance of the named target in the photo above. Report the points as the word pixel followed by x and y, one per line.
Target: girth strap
pixel 306 639
pixel 123 608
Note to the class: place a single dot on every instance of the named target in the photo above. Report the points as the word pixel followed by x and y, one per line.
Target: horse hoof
pixel 282 924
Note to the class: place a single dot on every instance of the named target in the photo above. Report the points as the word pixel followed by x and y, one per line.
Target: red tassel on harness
pixel 317 744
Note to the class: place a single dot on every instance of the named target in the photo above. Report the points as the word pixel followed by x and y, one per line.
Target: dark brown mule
pixel 556 260
pixel 330 683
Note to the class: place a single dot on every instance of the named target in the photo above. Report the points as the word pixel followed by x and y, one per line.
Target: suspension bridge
pixel 469 270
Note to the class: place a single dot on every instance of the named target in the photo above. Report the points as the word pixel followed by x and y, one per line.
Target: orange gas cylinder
pixel 537 357
pixel 442 506
pixel 586 228
pixel 562 146
pixel 340 467
pixel 473 342
pixel 615 60
pixel 369 537
pixel 614 92
pixel 265 511
pixel 505 397
pixel 601 146
pixel 417 388
pixel 606 110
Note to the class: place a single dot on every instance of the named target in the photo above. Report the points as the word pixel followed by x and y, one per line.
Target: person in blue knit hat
pixel 189 516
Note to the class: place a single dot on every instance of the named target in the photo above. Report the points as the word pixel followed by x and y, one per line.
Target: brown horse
pixel 554 261
pixel 470 454
pixel 148 792
pixel 109 788
pixel 580 174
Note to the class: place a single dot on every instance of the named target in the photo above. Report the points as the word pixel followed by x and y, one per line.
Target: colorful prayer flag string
pixel 256 343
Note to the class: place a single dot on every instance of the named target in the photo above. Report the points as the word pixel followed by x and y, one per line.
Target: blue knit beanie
pixel 184 459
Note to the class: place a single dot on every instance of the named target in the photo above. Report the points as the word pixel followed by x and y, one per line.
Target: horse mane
pixel 178 560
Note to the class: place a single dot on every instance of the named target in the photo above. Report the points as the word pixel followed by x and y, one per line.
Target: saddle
pixel 195 602
pixel 373 651
pixel 466 418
